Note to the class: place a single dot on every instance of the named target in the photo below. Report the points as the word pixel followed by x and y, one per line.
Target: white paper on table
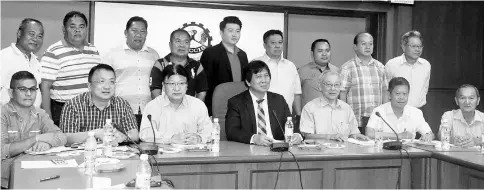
pixel 47 164
pixel 363 143
pixel 52 150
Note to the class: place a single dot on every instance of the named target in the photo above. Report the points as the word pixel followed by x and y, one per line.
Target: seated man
pixel 175 117
pixel 327 117
pixel 466 123
pixel 404 119
pixel 257 116
pixel 89 110
pixel 24 127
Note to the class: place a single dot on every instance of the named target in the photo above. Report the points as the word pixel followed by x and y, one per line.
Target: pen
pixel 49 178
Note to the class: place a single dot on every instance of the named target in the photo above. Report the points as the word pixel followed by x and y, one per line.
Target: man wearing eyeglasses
pixel 89 110
pixel 411 67
pixel 25 128
pixel 327 117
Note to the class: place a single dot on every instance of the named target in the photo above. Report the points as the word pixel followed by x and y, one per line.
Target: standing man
pixel 20 56
pixel 197 79
pixel 412 67
pixel 285 79
pixel 309 73
pixel 363 80
pixel 25 127
pixel 132 63
pixel 224 61
pixel 66 64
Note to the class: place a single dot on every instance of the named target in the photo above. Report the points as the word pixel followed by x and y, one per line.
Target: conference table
pixel 242 166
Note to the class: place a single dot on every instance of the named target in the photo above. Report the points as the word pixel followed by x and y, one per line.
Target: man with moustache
pixel 284 77
pixel 412 67
pixel 363 80
pixel 66 64
pixel 224 62
pixel 327 117
pixel 309 73
pixel 179 46
pixel 132 63
pixel 88 111
pixel 20 56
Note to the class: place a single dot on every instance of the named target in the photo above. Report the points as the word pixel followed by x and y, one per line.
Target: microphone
pixel 122 130
pixel 149 148
pixel 279 146
pixel 392 145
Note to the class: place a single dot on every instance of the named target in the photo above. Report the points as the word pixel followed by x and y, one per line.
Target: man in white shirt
pixel 412 67
pixel 132 63
pixel 285 78
pixel 20 56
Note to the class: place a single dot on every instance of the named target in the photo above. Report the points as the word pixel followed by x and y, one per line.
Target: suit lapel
pixel 250 109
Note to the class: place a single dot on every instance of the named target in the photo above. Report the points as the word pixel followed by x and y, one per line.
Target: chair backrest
pixel 222 93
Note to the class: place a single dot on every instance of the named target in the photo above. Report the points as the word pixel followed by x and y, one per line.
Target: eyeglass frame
pixel 25 89
pixel 415 46
pixel 330 86
pixel 175 84
pixel 104 82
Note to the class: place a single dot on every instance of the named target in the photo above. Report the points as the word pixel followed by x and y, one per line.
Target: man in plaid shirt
pixel 364 83
pixel 89 110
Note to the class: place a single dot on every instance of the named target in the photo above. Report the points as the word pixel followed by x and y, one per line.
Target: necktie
pixel 261 122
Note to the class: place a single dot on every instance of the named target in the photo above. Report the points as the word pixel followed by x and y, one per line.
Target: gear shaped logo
pixel 200 38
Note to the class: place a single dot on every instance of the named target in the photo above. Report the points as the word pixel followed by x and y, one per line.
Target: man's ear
pixel 19 34
pixel 457 102
pixel 247 82
pixel 10 93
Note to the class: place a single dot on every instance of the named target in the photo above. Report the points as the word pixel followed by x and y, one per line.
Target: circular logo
pixel 200 38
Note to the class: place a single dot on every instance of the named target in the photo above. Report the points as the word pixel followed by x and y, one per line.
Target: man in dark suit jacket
pixel 244 121
pixel 224 62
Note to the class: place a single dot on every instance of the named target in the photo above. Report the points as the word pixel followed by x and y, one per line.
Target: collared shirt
pixel 81 115
pixel 12 61
pixel 196 83
pixel 265 107
pixel 68 68
pixel 15 129
pixel 235 64
pixel 321 117
pixel 417 74
pixel 191 116
pixel 284 78
pixel 460 127
pixel 309 75
pixel 365 85
pixel 133 70
pixel 412 120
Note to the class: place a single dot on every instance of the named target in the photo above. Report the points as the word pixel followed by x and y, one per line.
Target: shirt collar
pixel 126 47
pixel 404 60
pixel 189 60
pixel 10 107
pixel 64 42
pixel 236 49
pixel 91 103
pixel 477 117
pixel 165 101
pixel 324 102
pixel 313 65
pixel 18 52
pixel 358 60
pixel 254 98
pixel 266 58
pixel 389 110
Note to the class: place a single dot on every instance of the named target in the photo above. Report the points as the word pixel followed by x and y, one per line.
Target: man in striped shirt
pixel 65 65
pixel 364 83
pixel 89 110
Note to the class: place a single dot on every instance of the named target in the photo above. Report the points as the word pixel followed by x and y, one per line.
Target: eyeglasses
pixel 173 84
pixel 329 86
pixel 416 46
pixel 25 89
pixel 103 82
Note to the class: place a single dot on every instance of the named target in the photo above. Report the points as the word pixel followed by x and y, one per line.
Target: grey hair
pixel 411 34
pixel 325 74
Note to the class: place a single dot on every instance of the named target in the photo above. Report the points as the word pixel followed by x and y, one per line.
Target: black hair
pixel 21 75
pixel 230 19
pixel 397 81
pixel 99 67
pixel 355 40
pixel 457 92
pixel 174 69
pixel 252 68
pixel 25 21
pixel 172 35
pixel 313 45
pixel 71 14
pixel 270 33
pixel 136 19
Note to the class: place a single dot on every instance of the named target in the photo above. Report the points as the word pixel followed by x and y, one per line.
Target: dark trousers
pixel 138 119
pixel 364 122
pixel 56 109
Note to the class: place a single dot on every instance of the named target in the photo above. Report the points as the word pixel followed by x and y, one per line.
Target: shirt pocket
pixel 340 126
pixel 13 135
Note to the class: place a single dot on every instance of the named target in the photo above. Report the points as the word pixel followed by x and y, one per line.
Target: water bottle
pixel 90 154
pixel 288 130
pixel 378 137
pixel 143 175
pixel 108 138
pixel 445 134
pixel 482 142
pixel 215 137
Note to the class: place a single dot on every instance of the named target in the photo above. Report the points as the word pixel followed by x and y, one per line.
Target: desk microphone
pixel 279 146
pixel 149 148
pixel 392 145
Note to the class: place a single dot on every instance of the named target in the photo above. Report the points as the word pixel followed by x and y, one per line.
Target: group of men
pixel 80 89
